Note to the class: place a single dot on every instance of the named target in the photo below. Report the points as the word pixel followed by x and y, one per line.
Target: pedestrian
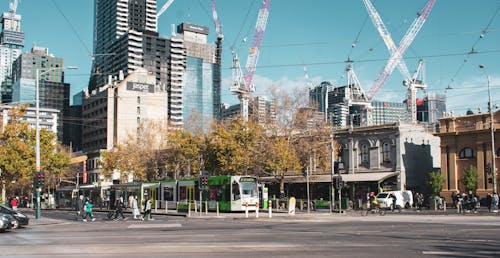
pixel 135 208
pixel 88 211
pixel 489 201
pixel 131 201
pixel 119 208
pixel 495 202
pixel 454 198
pixel 460 200
pixel 14 202
pixel 147 210
pixel 79 207
pixel 475 203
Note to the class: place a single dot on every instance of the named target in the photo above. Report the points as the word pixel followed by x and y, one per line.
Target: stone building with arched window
pixel 465 142
pixel 396 156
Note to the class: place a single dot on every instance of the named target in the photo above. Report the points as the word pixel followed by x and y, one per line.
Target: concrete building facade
pixel 116 111
pixel 48 117
pixel 387 157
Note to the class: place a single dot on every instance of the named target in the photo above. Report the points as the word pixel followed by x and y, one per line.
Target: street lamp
pixel 40 72
pixel 492 132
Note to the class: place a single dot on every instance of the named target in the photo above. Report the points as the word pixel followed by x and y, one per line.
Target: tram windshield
pixel 249 188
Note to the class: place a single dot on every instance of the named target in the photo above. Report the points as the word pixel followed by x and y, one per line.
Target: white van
pixel 404 199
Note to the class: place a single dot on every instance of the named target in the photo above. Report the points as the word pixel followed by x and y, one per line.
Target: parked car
pixel 6 222
pixel 20 219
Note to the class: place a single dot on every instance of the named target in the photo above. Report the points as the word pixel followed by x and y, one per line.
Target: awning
pixel 357 177
pixel 368 177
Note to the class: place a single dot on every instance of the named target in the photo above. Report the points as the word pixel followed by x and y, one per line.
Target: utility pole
pixel 492 131
pixel 332 172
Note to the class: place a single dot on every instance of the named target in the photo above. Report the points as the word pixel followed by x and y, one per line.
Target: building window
pixel 386 152
pixel 365 154
pixel 467 153
pixel 498 152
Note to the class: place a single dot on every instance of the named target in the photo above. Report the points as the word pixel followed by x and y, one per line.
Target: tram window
pixel 248 188
pixel 226 193
pixel 168 194
pixel 236 191
pixel 182 193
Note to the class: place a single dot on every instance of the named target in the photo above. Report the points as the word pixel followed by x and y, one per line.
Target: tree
pixel 470 178
pixel 17 153
pixel 185 153
pixel 278 157
pixel 138 154
pixel 230 148
pixel 436 181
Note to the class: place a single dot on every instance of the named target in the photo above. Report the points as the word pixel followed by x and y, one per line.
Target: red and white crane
pixel 164 8
pixel 242 83
pixel 411 82
pixel 397 53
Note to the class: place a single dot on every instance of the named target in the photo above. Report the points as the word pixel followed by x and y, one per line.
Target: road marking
pixel 176 225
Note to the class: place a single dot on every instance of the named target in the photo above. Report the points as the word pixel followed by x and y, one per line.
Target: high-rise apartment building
pixel 11 44
pixel 53 92
pixel 385 112
pixel 200 98
pixel 125 39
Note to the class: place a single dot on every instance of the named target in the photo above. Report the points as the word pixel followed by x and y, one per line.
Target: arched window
pixel 386 152
pixel 365 154
pixel 467 153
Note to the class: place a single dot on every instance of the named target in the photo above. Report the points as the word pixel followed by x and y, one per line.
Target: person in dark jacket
pixel 79 208
pixel 119 208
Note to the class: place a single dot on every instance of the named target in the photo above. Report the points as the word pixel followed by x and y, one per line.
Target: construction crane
pixel 411 82
pixel 218 26
pixel 242 83
pixel 164 8
pixel 398 53
pixel 13 6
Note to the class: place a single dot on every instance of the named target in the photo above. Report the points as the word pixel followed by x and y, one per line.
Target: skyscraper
pixel 11 44
pixel 54 93
pixel 201 78
pixel 124 33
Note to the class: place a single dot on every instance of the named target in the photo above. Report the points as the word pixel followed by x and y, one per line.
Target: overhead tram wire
pixel 242 25
pixel 473 51
pixel 72 28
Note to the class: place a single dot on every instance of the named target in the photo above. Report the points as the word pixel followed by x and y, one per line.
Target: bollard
pixel 195 207
pixel 246 209
pixel 217 209
pixel 156 206
pixel 166 206
pixel 257 209
pixel 206 208
pixel 444 206
pixel 189 210
pixel 270 206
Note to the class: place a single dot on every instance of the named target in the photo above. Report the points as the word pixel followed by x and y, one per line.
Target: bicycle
pixel 376 210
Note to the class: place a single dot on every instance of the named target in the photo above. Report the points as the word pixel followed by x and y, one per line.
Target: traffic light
pixel 39 179
pixel 203 182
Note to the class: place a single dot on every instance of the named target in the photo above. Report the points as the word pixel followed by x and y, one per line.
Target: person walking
pixel 119 208
pixel 147 211
pixel 495 202
pixel 88 211
pixel 135 208
pixel 460 200
pixel 14 202
pixel 79 207
pixel 454 198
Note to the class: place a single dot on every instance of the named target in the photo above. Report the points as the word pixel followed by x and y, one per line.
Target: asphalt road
pixel 303 235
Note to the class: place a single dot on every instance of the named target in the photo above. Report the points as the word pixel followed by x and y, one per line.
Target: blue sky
pixel 317 33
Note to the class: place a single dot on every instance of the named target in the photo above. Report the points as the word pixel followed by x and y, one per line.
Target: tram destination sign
pixel 248 179
pixel 142 87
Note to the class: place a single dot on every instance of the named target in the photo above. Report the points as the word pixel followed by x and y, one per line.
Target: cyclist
pixel 373 202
